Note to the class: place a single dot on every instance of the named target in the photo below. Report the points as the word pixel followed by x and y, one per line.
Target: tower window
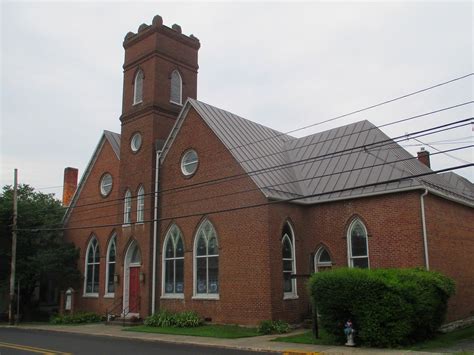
pixel 176 88
pixel 140 204
pixel 138 88
pixel 127 208
pixel 136 142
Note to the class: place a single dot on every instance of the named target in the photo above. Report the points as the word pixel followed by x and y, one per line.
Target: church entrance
pixel 131 292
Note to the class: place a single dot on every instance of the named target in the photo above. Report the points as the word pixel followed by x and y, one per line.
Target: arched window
pixel 206 262
pixel 176 88
pixel 358 245
pixel 173 263
pixel 138 87
pixel 135 255
pixel 91 279
pixel 110 270
pixel 140 204
pixel 289 261
pixel 322 260
pixel 127 208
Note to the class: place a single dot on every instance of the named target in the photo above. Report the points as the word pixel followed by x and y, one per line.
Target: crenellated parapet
pixel 157 25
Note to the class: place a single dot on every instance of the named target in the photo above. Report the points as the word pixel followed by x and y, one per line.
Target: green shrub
pixel 76 318
pixel 166 318
pixel 273 327
pixel 187 319
pixel 388 307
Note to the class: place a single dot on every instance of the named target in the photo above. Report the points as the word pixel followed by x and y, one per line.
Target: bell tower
pixel 167 62
pixel 160 73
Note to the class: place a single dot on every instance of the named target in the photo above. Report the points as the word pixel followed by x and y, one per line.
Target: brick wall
pixel 102 210
pixel 244 273
pixel 450 231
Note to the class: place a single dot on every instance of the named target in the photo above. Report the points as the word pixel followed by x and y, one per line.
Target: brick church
pixel 192 207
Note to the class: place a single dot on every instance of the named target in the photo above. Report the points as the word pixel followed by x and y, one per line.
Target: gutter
pixel 155 232
pixel 423 222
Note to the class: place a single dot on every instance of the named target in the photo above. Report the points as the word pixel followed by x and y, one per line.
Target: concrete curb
pixel 258 344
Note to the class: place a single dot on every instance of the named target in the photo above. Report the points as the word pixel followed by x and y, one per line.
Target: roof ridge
pixel 278 133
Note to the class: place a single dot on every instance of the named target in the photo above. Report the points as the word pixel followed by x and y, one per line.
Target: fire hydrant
pixel 349 332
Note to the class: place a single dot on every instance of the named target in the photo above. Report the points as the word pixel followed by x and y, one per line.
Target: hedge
pixel 76 318
pixel 388 307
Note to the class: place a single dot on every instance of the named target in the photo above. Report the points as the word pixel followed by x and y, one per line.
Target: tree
pixel 42 256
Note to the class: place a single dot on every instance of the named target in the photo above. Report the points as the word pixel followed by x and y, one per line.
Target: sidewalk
pixel 259 343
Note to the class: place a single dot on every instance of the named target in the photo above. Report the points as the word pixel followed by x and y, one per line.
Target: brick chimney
pixel 424 157
pixel 70 185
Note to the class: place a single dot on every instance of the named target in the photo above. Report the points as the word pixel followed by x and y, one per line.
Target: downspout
pixel 155 232
pixel 423 222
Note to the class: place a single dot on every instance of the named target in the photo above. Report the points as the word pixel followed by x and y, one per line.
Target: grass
pixel 307 338
pixel 213 331
pixel 444 340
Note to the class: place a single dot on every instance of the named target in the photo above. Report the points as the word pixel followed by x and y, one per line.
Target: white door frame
pixel 126 279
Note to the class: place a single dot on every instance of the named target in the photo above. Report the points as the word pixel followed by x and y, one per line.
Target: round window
pixel 136 142
pixel 106 184
pixel 189 162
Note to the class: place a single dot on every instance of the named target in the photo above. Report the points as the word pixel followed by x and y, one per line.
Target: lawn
pixel 307 338
pixel 213 331
pixel 444 340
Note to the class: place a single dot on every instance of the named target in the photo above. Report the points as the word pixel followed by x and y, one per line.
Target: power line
pixel 388 141
pixel 273 202
pixel 365 108
pixel 282 165
pixel 447 154
pixel 406 136
pixel 239 192
pixel 344 115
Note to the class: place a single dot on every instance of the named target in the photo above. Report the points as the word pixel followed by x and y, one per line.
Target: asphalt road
pixel 28 342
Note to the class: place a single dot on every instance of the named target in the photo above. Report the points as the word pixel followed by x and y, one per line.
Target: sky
pixel 285 65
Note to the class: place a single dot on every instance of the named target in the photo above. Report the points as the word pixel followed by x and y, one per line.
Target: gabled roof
pixel 114 140
pixel 286 167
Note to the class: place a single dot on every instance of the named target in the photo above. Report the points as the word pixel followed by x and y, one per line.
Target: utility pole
pixel 13 266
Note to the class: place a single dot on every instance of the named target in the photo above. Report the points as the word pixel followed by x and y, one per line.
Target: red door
pixel 134 290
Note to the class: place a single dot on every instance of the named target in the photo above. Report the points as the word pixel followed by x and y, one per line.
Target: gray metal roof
pixel 255 147
pixel 318 166
pixel 114 140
